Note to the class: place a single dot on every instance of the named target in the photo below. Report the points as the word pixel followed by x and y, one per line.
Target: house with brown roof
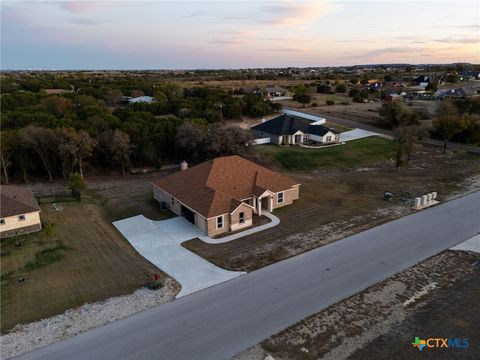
pixel 19 211
pixel 223 194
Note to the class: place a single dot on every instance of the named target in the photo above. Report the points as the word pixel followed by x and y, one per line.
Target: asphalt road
pixel 219 322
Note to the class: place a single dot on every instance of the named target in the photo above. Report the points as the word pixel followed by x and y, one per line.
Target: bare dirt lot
pixel 335 203
pixel 437 298
pixel 90 262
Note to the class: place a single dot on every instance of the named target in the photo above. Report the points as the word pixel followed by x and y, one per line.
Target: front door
pixel 298 139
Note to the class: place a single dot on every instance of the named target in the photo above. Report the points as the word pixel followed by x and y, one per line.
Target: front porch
pixel 297 138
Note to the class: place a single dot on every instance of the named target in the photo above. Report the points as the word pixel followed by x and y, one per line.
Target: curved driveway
pixel 220 321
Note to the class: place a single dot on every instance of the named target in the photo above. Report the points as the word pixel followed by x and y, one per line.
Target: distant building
pixel 274 91
pixel 19 211
pixel 141 99
pixel 287 129
pixel 421 80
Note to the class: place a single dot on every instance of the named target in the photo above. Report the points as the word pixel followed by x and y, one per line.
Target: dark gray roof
pixel 16 200
pixel 289 125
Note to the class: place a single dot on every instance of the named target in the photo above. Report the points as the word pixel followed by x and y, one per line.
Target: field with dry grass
pixel 85 260
pixel 335 203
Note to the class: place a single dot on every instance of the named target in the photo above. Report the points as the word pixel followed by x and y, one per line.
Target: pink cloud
pixel 80 6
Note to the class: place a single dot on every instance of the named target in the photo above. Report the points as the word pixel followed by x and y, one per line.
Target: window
pixel 280 198
pixel 173 201
pixel 329 138
pixel 21 218
pixel 2 221
pixel 219 222
pixel 241 217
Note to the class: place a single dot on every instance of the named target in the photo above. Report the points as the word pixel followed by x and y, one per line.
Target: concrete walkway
pixel 472 244
pixel 357 134
pixel 274 221
pixel 160 243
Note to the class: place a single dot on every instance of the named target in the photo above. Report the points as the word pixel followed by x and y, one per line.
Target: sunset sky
pixel 235 34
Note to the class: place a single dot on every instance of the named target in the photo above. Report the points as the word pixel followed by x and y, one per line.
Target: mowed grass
pixel 86 260
pixel 356 153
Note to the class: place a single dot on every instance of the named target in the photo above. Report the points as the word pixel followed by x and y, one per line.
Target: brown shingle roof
pixel 16 200
pixel 216 187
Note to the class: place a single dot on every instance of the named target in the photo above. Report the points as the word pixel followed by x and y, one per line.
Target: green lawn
pixel 355 153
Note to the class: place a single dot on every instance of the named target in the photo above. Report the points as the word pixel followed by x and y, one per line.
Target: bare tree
pixel 42 142
pixel 116 145
pixel 7 148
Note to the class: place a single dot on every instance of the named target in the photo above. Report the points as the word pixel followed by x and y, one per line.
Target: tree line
pixel 55 135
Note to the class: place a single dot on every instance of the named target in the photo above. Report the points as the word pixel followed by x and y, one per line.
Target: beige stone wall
pixel 235 218
pixel 288 197
pixel 212 225
pixel 12 223
pixel 161 195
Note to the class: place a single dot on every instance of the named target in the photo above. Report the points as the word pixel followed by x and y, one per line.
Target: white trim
pixel 216 222
pixel 283 197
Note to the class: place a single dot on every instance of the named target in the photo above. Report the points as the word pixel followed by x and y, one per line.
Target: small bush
pixel 330 102
pixel 154 285
pixel 314 104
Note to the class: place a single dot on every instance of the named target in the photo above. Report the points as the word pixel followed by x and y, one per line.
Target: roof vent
pixel 183 165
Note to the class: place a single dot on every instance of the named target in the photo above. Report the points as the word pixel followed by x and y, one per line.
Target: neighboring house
pixel 274 91
pixel 141 99
pixel 421 80
pixel 223 194
pixel 453 93
pixel 287 129
pixel 19 211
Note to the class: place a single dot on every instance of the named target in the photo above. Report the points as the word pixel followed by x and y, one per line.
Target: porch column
pixel 270 203
pixel 259 206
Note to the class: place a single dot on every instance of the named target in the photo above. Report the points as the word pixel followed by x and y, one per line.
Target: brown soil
pixel 336 203
pixel 437 298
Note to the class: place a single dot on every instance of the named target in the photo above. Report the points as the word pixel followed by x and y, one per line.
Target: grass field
pixel 353 154
pixel 86 260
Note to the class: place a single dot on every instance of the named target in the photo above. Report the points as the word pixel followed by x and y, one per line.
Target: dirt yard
pixel 336 203
pixel 86 259
pixel 437 298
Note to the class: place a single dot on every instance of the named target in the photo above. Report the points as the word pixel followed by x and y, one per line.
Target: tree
pixel 42 142
pixel 56 105
pixel 113 97
pixel 448 122
pixel 116 145
pixel 324 89
pixel 406 137
pixel 49 231
pixel 76 182
pixel 303 99
pixel 7 149
pixel 431 86
pixel 341 89
pixel 394 114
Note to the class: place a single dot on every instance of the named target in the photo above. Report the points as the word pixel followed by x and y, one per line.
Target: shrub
pixel 340 88
pixel 330 102
pixel 314 104
pixel 154 285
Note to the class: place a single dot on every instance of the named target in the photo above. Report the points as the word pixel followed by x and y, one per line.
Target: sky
pixel 235 34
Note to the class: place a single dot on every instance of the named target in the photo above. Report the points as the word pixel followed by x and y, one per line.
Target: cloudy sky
pixel 235 34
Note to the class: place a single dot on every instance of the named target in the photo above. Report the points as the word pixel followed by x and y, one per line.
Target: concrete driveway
pixel 356 134
pixel 160 243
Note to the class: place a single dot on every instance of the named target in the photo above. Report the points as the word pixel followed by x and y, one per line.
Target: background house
pixel 288 129
pixel 19 211
pixel 223 194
